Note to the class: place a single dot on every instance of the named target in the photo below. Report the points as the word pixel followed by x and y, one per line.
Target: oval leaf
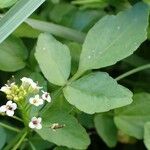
pixel 131 119
pixel 114 38
pixel 7 3
pixel 147 135
pixel 106 129
pixel 12 54
pixel 3 137
pixel 72 134
pixel 54 59
pixel 97 92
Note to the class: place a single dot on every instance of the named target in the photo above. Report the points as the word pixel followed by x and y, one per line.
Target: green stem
pixel 24 114
pixel 20 140
pixel 9 127
pixel 75 77
pixel 58 92
pixel 85 1
pixel 138 69
pixel 17 118
pixel 32 146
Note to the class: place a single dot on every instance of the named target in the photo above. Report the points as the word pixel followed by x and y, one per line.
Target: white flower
pixel 6 89
pixel 37 101
pixel 46 96
pixel 27 82
pixel 35 123
pixel 8 108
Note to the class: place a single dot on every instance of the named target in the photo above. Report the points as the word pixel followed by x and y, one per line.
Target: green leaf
pixel 147 135
pixel 97 92
pixel 12 54
pixel 114 38
pixel 7 3
pixel 57 30
pixel 61 104
pixel 38 143
pixel 3 137
pixel 63 148
pixel 131 119
pixel 86 120
pixel 54 59
pixel 106 129
pixel 16 15
pixel 24 30
pixel 75 50
pixel 72 134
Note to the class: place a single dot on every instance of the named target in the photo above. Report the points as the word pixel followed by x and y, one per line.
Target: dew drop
pixel 118 27
pixel 89 57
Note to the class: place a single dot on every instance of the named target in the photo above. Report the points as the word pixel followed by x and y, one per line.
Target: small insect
pixel 55 126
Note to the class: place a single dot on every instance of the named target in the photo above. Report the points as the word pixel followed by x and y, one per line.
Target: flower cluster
pixel 18 93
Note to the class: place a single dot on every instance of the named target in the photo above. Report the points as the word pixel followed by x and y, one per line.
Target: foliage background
pixel 69 22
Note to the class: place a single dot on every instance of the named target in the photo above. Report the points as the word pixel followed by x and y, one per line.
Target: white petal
pixel 27 80
pixel 31 100
pixel 36 100
pixel 31 125
pixel 9 112
pixel 40 101
pixel 48 99
pixel 38 126
pixel 5 89
pixel 39 119
pixel 37 96
pixel 14 106
pixel 36 104
pixel 33 119
pixel 46 96
pixel 9 103
pixel 3 109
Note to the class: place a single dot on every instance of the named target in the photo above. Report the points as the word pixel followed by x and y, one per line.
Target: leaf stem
pixel 17 118
pixel 14 117
pixel 20 140
pixel 58 92
pixel 138 69
pixel 75 76
pixel 9 127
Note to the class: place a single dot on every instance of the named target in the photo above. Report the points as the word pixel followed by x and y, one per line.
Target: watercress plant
pixel 61 91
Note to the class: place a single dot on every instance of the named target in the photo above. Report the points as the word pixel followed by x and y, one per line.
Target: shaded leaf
pixel 106 129
pixel 131 119
pixel 12 54
pixel 3 137
pixel 147 135
pixel 7 3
